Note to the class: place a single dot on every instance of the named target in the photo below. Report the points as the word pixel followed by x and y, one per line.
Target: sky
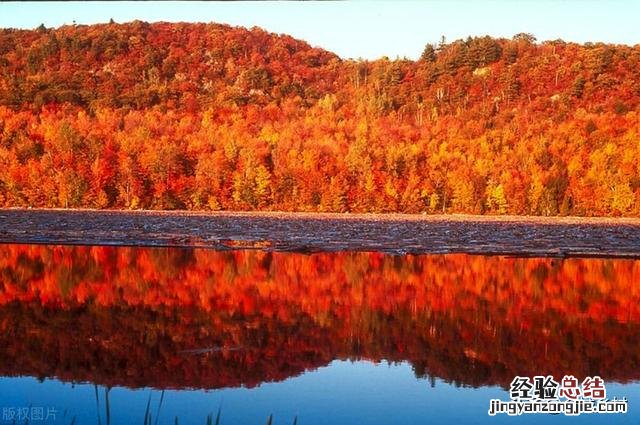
pixel 364 29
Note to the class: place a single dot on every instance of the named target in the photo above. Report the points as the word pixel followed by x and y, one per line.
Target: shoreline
pixel 349 216
pixel 319 232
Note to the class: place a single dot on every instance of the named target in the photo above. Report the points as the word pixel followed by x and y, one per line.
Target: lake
pixel 117 335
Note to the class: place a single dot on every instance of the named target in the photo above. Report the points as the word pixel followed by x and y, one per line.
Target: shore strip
pixel 327 232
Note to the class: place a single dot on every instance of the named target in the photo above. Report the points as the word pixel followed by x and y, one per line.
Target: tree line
pixel 211 117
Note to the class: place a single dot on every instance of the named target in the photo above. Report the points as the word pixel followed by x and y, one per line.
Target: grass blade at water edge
pixel 108 407
pixel 147 418
pixel 159 406
pixel 95 386
pixel 218 416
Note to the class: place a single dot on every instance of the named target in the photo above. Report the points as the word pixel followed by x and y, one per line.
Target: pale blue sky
pixel 367 29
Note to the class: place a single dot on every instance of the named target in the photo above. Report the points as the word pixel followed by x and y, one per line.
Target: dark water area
pixel 116 334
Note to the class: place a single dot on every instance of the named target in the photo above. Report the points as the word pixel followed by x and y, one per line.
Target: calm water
pixel 100 333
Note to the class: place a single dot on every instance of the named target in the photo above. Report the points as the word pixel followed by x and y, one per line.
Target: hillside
pixel 207 116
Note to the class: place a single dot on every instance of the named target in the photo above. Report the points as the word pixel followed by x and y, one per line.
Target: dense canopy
pixel 207 116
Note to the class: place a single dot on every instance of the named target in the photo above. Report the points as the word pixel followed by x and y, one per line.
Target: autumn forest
pixel 213 117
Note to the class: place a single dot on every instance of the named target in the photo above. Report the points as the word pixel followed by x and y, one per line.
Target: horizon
pixel 356 26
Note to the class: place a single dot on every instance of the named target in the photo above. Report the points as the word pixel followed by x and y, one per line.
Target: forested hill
pixel 207 116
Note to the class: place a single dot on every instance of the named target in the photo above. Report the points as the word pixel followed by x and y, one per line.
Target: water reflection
pixel 177 318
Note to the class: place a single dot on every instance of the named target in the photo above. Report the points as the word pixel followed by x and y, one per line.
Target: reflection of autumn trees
pixel 124 315
pixel 198 116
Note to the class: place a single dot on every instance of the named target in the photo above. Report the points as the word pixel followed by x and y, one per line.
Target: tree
pixel 429 53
